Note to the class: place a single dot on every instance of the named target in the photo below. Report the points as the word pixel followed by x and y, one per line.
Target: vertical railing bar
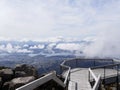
pixel 88 75
pixel 76 62
pixel 117 78
pixel 104 76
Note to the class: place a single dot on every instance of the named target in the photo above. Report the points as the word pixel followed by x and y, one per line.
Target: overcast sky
pixel 36 19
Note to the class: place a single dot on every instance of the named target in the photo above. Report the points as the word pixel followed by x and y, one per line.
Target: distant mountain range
pixel 35 48
pixel 44 55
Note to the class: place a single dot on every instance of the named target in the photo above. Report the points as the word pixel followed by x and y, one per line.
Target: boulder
pixel 6 74
pixel 29 70
pixel 20 74
pixel 0 82
pixel 17 82
pixel 3 67
pixel 6 86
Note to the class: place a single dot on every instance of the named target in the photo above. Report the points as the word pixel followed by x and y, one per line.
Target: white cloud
pixel 9 48
pixel 25 45
pixel 40 46
pixel 90 39
pixel 17 47
pixel 56 39
pixel 24 19
pixel 2 47
pixel 12 49
pixel 24 51
pixel 105 45
pixel 33 47
pixel 67 18
pixel 70 46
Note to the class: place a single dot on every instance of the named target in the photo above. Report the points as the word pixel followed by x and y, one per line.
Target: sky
pixel 35 19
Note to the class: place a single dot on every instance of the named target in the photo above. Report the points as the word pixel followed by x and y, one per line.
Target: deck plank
pixel 81 78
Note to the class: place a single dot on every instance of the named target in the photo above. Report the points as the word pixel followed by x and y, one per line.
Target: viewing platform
pixel 79 78
pixel 97 77
pixel 80 74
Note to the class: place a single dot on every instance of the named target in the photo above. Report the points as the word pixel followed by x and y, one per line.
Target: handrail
pixel 105 66
pixel 93 75
pixel 34 84
pixel 95 61
pixel 67 76
pixel 68 72
pixel 97 79
pixel 90 59
pixel 113 66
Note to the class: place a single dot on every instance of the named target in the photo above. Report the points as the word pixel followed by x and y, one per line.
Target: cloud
pixel 24 51
pixel 68 18
pixel 13 49
pixel 33 47
pixel 50 48
pixel 50 18
pixel 40 46
pixel 106 45
pixel 70 46
pixel 24 19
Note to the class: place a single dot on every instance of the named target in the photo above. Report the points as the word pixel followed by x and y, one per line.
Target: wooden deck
pixel 79 77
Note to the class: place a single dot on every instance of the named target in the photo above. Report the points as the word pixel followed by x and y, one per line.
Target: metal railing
pixel 66 68
pixel 86 63
pixel 104 76
pixel 97 80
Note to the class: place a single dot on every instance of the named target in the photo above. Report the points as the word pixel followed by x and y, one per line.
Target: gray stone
pixel 29 70
pixel 0 82
pixel 17 82
pixel 6 74
pixel 20 74
pixel 6 86
pixel 23 80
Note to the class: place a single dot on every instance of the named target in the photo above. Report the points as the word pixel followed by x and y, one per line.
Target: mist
pixel 106 44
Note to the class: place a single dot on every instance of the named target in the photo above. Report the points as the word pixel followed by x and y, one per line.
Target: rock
pixel 20 74
pixel 3 67
pixel 29 70
pixel 17 82
pixel 0 82
pixel 23 80
pixel 6 74
pixel 6 86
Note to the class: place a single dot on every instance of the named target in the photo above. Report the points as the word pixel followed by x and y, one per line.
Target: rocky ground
pixel 10 79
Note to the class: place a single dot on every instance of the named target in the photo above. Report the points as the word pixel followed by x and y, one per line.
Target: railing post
pixel 104 76
pixel 60 69
pixel 76 63
pixel 94 62
pixel 117 77
pixel 88 75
